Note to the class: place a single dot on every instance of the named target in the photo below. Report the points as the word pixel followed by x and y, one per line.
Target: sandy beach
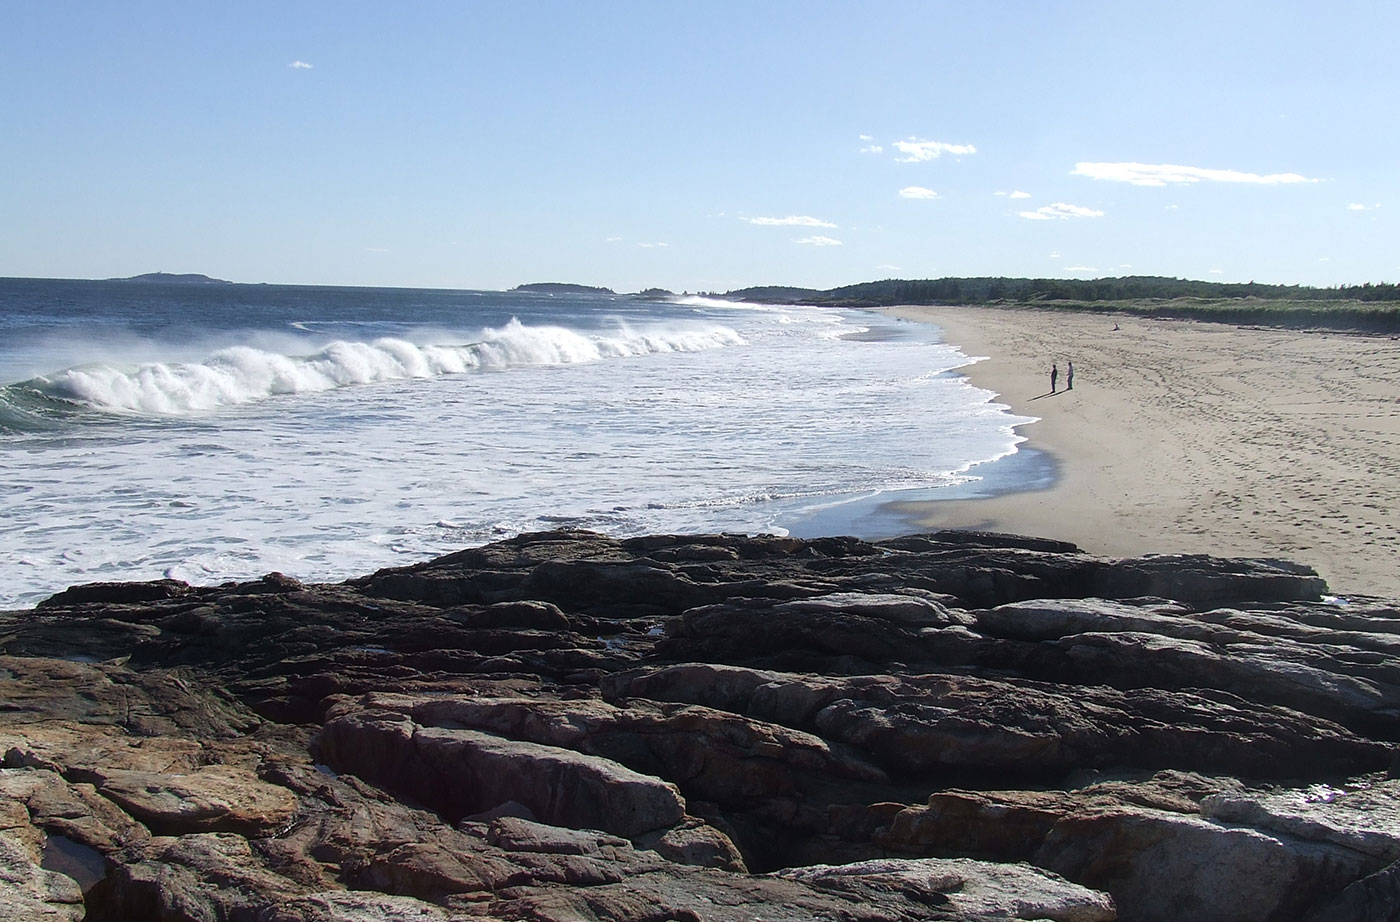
pixel 1188 437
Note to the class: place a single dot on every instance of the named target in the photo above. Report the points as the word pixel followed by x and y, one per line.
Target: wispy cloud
pixel 1080 269
pixel 916 150
pixel 1217 272
pixel 791 221
pixel 869 148
pixel 1162 174
pixel 820 241
pixel 917 192
pixel 652 246
pixel 1060 211
pixel 888 267
pixel 1013 195
pixel 1357 206
pixel 299 65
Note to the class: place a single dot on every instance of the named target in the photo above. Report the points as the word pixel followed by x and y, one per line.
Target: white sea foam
pixel 206 472
pixel 703 301
pixel 242 374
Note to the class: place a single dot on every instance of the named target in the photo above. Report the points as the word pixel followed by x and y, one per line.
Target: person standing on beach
pixel 1069 377
pixel 1054 376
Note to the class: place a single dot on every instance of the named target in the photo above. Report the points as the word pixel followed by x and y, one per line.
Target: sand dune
pixel 1187 437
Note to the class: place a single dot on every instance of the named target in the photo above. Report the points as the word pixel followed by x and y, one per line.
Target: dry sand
pixel 1188 437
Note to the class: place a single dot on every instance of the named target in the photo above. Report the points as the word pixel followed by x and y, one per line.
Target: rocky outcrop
pixel 461 771
pixel 568 726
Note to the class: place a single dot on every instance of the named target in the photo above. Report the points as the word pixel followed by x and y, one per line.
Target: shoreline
pixel 1190 437
pixel 885 514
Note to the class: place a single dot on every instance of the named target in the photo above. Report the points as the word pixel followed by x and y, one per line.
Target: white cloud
pixel 1054 255
pixel 1017 194
pixel 1161 174
pixel 1061 211
pixel 652 246
pixel 866 137
pixel 1357 206
pixel 611 239
pixel 1217 272
pixel 820 241
pixel 872 149
pixel 1080 269
pixel 888 267
pixel 917 192
pixel 915 150
pixel 299 65
pixel 791 221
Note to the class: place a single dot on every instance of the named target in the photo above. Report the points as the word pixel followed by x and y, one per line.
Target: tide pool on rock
pixel 219 432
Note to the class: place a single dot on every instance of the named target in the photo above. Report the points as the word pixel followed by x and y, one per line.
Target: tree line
pixel 990 290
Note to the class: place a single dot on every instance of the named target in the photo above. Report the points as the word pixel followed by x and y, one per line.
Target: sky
pixel 699 146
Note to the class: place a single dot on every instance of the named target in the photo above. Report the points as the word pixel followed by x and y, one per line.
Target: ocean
pixel 219 432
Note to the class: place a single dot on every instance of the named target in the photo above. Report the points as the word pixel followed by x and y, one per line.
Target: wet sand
pixel 1188 437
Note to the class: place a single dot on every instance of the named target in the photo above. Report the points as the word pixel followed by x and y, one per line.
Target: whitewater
pixel 242 374
pixel 210 433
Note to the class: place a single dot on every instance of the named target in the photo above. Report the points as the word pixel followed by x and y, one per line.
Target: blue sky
pixel 699 146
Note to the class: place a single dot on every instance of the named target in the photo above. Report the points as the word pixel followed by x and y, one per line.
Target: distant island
pixel 655 293
pixel 168 278
pixel 562 288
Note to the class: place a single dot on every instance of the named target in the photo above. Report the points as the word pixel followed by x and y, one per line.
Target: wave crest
pixel 242 374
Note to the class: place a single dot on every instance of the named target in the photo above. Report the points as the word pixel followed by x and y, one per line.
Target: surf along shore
pixel 1193 437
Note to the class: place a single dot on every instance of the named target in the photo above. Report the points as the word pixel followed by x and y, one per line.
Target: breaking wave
pixel 242 374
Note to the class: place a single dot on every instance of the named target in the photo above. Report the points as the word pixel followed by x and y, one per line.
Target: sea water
pixel 217 432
